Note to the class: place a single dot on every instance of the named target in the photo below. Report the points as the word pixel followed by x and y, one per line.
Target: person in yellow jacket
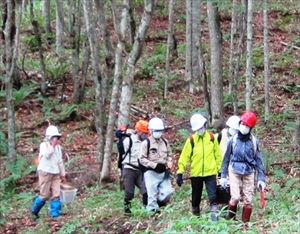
pixel 202 152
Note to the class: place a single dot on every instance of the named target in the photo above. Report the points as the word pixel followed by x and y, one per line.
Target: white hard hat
pixel 233 122
pixel 156 124
pixel 52 131
pixel 197 121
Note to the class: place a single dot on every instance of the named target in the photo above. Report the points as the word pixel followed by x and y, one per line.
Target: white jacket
pixel 50 159
pixel 132 157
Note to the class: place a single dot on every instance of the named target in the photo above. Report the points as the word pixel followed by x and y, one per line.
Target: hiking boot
pixel 196 210
pixel 127 206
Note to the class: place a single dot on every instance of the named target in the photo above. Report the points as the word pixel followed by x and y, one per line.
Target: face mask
pixel 157 135
pixel 201 131
pixel 244 129
pixel 232 131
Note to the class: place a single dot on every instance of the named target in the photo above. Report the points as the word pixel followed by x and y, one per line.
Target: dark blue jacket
pixel 243 156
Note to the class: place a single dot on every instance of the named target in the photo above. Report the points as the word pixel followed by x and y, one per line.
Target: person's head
pixel 198 123
pixel 156 127
pixel 52 133
pixel 248 121
pixel 141 128
pixel 233 124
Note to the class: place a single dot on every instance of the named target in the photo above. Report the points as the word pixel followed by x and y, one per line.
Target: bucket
pixel 67 193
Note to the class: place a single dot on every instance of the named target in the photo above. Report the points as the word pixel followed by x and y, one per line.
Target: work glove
pixel 261 185
pixel 223 182
pixel 160 168
pixel 179 180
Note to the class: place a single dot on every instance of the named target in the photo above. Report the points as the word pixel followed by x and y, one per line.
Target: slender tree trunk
pixel 233 35
pixel 38 37
pixel 84 71
pixel 59 29
pixel 105 173
pixel 170 43
pixel 134 55
pixel 132 23
pixel 46 14
pixel 97 76
pixel 266 60
pixel 192 49
pixel 249 56
pixel 297 134
pixel 215 39
pixel 11 34
pixel 108 49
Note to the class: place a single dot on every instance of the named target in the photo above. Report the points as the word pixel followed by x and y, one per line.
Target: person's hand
pixel 179 180
pixel 223 182
pixel 261 185
pixel 160 168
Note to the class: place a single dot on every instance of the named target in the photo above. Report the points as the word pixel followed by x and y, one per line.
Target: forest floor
pixel 99 208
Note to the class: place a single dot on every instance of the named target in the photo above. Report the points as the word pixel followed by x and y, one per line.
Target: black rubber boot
pixel 127 206
pixel 196 210
pixel 145 199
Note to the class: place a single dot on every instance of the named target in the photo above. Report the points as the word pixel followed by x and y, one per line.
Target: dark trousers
pixel 131 179
pixel 197 187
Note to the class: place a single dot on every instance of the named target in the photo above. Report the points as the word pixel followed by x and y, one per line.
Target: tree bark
pixel 215 39
pixel 170 43
pixel 46 14
pixel 266 60
pixel 192 69
pixel 249 55
pixel 97 77
pixel 134 55
pixel 59 28
pixel 132 24
pixel 108 49
pixel 105 173
pixel 297 134
pixel 11 34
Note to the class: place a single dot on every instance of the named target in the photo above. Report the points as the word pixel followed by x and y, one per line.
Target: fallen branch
pixel 282 163
pixel 286 44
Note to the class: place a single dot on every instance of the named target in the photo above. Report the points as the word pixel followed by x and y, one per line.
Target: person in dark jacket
pixel 241 162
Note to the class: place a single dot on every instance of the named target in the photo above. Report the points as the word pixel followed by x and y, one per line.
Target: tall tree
pixel 59 28
pixel 121 32
pixel 215 39
pixel 126 94
pixel 46 15
pixel 266 59
pixel 11 36
pixel 170 43
pixel 296 140
pixel 249 55
pixel 192 69
pixel 97 76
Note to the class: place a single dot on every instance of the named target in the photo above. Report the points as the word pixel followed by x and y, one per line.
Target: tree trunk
pixel 38 37
pixel 97 77
pixel 215 39
pixel 297 134
pixel 132 24
pixel 192 69
pixel 170 43
pixel 11 34
pixel 249 55
pixel 266 60
pixel 59 28
pixel 134 55
pixel 108 49
pixel 84 71
pixel 105 173
pixel 46 15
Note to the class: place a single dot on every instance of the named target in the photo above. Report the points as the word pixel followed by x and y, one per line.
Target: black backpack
pixel 120 145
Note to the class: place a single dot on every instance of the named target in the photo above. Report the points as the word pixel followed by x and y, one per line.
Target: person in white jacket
pixel 51 173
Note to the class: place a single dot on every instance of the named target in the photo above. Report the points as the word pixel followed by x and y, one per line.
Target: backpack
pixel 121 150
pixel 212 139
pixel 141 166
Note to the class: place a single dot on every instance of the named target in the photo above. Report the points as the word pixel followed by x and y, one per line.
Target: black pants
pixel 197 187
pixel 131 179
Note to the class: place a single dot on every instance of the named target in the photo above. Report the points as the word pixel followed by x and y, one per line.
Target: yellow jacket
pixel 205 159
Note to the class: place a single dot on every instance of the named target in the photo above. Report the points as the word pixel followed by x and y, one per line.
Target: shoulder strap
pixel 164 140
pixel 192 144
pixel 148 146
pixel 128 150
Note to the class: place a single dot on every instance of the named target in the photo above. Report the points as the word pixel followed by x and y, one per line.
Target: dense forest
pixel 91 66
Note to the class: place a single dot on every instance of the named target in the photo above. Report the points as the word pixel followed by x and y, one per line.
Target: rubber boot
pixel 247 210
pixel 37 205
pixel 161 203
pixel 127 206
pixel 231 211
pixel 55 209
pixel 145 199
pixel 196 210
pixel 214 213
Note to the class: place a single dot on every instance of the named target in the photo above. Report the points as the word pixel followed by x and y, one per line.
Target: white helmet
pixel 156 124
pixel 52 131
pixel 233 122
pixel 197 121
